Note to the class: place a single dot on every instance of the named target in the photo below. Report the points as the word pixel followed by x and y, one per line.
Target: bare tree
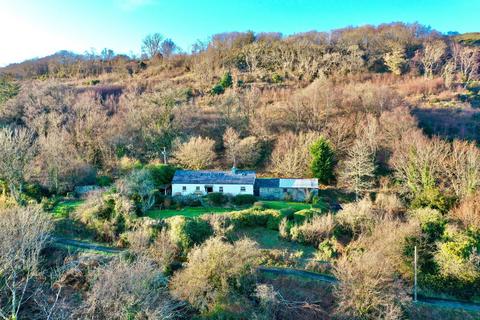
pixel 24 232
pixel 463 168
pixel 431 56
pixel 468 62
pixel 358 172
pixel 197 153
pixel 17 148
pixel 291 156
pixel 123 290
pixel 152 45
pixel 240 151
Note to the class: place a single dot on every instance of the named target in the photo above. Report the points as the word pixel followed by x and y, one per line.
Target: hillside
pixel 386 118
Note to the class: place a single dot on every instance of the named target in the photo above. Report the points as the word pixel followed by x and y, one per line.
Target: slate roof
pixel 214 177
pixel 286 183
pixel 298 183
pixel 267 182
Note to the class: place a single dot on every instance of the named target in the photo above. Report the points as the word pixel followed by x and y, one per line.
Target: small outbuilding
pixel 285 189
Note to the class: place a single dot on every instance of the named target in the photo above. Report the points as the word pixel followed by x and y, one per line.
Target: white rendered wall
pixel 234 189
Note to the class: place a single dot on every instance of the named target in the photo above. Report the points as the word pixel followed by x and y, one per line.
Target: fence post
pixel 415 276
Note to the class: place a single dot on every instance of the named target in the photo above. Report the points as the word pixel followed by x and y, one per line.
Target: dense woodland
pixel 386 117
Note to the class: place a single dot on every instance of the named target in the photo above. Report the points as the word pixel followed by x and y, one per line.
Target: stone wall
pixel 296 194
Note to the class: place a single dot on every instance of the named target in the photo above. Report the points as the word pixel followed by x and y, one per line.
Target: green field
pixel 198 211
pixel 278 205
pixel 186 212
pixel 64 207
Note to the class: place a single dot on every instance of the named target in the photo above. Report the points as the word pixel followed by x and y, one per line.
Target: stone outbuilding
pixel 285 189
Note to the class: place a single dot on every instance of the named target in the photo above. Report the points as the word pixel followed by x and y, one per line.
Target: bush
pixel 210 278
pixel 288 213
pixel 431 221
pixel 432 198
pixel 187 232
pixel 216 198
pixel 458 256
pixel 226 81
pixel 259 205
pixel 356 218
pixel 314 231
pixel 217 90
pixel 109 215
pixel 188 200
pixel 243 199
pixel 276 78
pixel 284 228
pixel 161 173
pixel 256 218
pixel 305 214
pixel 104 181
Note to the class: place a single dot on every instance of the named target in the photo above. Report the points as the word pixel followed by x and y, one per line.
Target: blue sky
pixel 34 28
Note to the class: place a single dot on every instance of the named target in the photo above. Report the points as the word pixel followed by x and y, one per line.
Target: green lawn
pixel 198 211
pixel 66 206
pixel 186 212
pixel 278 205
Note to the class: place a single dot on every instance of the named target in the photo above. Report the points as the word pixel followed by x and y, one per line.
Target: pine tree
pixel 323 160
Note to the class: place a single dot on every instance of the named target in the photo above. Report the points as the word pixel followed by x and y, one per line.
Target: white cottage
pixel 201 182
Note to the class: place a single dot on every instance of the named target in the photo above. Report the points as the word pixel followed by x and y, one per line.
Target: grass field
pixel 64 207
pixel 186 212
pixel 269 239
pixel 198 211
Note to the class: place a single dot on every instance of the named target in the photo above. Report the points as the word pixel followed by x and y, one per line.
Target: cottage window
pixel 184 188
pixel 242 189
pixel 285 190
pixel 197 188
pixel 220 189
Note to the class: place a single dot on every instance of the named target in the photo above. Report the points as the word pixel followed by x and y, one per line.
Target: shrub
pixel 161 173
pixel 104 181
pixel 327 250
pixel 288 213
pixel 139 187
pixel 356 218
pixel 187 232
pixel 432 198
pixel 226 81
pixel 164 251
pixel 305 214
pixel 209 277
pixel 369 286
pixel 314 231
pixel 188 200
pixel 284 228
pixel 468 212
pixel 216 198
pixel 123 290
pixel 458 256
pixel 217 90
pixel 243 199
pixel 258 205
pixel 390 203
pixel 431 221
pixel 109 215
pixel 276 78
pixel 256 218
